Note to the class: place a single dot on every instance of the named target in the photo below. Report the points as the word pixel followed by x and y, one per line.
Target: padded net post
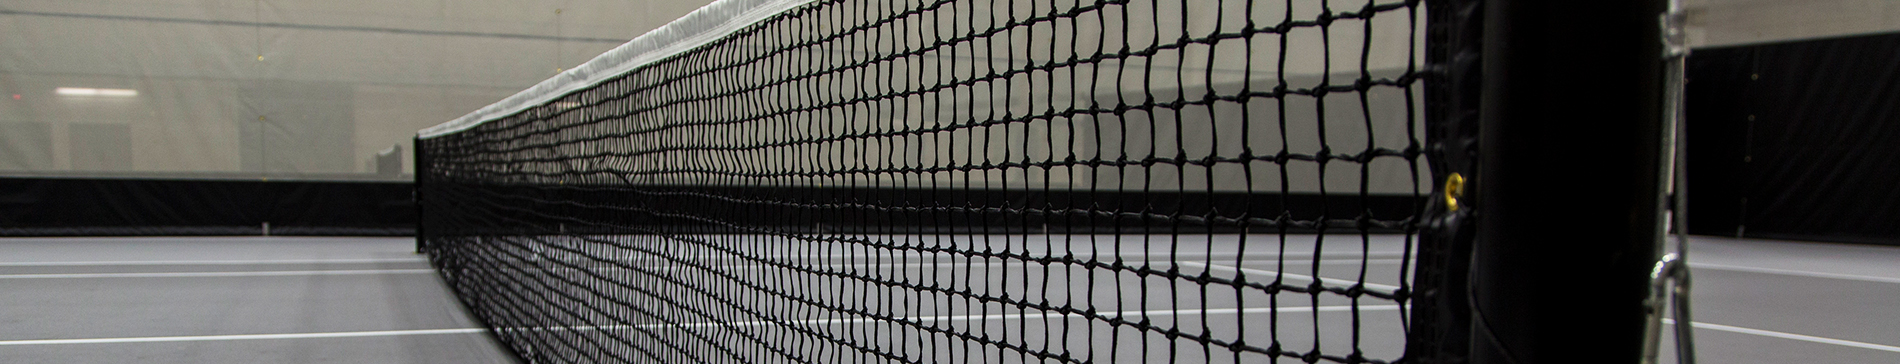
pixel 1568 184
pixel 416 188
pixel 1441 309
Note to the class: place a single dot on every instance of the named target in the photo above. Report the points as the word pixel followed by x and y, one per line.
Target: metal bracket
pixel 1674 38
pixel 1669 281
pixel 1669 288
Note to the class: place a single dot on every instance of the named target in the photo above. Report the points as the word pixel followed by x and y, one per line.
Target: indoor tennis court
pixel 949 181
pixel 313 300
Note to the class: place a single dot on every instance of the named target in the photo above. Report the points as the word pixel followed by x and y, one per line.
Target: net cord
pixel 702 26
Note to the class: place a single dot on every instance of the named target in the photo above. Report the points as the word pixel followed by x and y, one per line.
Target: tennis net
pixel 996 181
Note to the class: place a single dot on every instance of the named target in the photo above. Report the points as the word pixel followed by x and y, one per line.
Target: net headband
pixel 698 28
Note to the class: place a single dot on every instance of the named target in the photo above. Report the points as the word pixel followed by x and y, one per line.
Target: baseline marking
pixel 213 262
pixel 1227 256
pixel 218 274
pixel 314 335
pixel 953 265
pixel 1790 336
pixel 1386 289
pixel 930 319
pixel 1790 272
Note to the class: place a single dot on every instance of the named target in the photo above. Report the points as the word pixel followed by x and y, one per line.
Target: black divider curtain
pixel 73 206
pixel 1797 140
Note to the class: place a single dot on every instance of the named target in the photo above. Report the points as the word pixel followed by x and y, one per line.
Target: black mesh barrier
pixel 960 181
pixel 1793 140
pixel 79 206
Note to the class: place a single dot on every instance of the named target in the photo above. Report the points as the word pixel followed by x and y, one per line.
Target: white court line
pixel 1784 335
pixel 220 274
pixel 1385 289
pixel 212 262
pixel 314 335
pixel 950 255
pixel 951 264
pixel 939 262
pixel 1323 261
pixel 317 335
pixel 929 319
pixel 1850 277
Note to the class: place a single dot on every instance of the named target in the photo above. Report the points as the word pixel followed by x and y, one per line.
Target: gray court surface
pixel 1762 301
pixel 229 300
pixel 749 298
pixel 370 300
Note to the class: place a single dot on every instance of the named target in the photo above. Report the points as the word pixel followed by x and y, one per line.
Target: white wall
pixel 278 88
pixel 208 104
pixel 955 126
pixel 1714 23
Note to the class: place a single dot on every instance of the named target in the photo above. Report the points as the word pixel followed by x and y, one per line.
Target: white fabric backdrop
pixel 273 88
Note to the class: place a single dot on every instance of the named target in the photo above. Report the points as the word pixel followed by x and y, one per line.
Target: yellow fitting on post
pixel 1454 190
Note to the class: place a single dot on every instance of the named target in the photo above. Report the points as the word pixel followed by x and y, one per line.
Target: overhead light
pixel 81 91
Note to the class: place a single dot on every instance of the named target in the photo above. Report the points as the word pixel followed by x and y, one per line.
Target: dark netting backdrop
pixel 963 181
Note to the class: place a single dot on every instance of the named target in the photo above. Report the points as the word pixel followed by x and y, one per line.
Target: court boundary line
pixel 213 262
pixel 1011 264
pixel 311 335
pixel 279 273
pixel 932 319
pixel 1799 273
pixel 1386 289
pixel 1789 336
pixel 1125 256
pixel 1022 316
pixel 1334 282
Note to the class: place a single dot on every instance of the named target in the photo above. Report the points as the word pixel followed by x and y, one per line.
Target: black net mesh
pixel 987 181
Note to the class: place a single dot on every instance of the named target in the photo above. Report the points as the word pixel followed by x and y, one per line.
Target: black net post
pixel 416 153
pixel 1441 309
pixel 1568 188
